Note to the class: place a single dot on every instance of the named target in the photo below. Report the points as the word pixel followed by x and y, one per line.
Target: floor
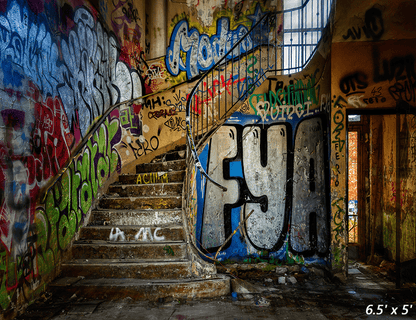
pixel 308 294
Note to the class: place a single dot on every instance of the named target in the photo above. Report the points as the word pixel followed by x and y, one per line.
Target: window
pixel 302 30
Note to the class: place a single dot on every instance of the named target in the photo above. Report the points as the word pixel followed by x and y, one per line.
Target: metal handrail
pixel 192 119
pixel 96 126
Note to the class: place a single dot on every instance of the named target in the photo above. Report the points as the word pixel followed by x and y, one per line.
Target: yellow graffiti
pixel 153 177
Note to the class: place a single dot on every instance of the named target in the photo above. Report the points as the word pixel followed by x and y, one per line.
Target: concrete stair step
pixel 151 177
pixel 127 268
pixel 136 190
pixel 175 165
pixel 139 289
pixel 129 250
pixel 143 233
pixel 126 217
pixel 155 202
pixel 172 155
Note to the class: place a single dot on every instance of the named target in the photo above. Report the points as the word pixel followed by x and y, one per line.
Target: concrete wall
pixel 373 67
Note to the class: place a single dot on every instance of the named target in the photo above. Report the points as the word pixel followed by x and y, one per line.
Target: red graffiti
pixel 213 90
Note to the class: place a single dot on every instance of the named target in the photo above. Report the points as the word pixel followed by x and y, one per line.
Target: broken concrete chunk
pixel 281 270
pixel 292 280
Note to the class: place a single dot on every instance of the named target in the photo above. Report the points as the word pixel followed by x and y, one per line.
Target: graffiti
pixel 215 89
pixel 123 15
pixel 154 102
pixel 356 102
pixel 179 104
pixel 153 177
pixel 238 8
pixel 36 236
pixel 401 69
pixel 92 87
pixel 339 218
pixel 130 119
pixel 373 29
pixel 338 119
pixel 140 146
pixel 202 51
pixel 263 110
pixel 130 12
pixel 397 68
pixel 156 71
pixel 403 91
pixel 294 94
pixel 350 83
pixel 161 113
pixel 263 171
pixel 147 232
pixel 117 234
pixel 88 79
pixel 176 124
pixel 402 195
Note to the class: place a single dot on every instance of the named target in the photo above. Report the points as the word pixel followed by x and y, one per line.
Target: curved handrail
pixel 95 127
pixel 223 63
pixel 190 139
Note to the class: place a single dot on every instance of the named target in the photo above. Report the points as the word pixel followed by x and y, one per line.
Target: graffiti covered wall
pixel 62 67
pixel 374 56
pixel 272 156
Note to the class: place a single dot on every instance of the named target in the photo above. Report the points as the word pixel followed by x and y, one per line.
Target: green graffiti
pixel 296 94
pixel 60 216
pixel 169 250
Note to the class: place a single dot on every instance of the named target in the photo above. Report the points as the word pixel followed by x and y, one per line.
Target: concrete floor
pixel 361 296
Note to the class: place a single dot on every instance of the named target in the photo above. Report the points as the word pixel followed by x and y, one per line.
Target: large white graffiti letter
pixel 265 228
pixel 309 229
pixel 223 146
pixel 116 235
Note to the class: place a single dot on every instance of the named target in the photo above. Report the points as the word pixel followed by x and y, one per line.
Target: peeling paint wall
pixel 272 155
pixel 373 67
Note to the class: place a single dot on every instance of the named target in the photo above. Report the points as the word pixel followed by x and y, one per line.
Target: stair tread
pixel 131 226
pixel 145 184
pixel 162 196
pixel 132 282
pixel 125 262
pixel 131 243
pixel 135 174
pixel 167 210
pixel 160 161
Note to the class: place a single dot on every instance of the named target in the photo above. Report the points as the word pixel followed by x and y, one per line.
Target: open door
pixel 357 194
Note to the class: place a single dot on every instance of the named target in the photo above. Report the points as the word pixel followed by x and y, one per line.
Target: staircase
pixel 135 244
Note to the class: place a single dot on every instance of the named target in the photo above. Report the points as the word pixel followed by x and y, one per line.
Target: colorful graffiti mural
pixel 202 51
pixel 57 78
pixel 279 169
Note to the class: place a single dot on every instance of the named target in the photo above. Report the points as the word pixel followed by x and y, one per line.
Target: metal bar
pixel 219 93
pixel 212 97
pixel 300 21
pixel 275 44
pixel 225 86
pixel 268 44
pixel 232 82
pixel 398 200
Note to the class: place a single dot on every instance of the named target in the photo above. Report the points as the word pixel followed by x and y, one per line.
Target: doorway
pixel 357 194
